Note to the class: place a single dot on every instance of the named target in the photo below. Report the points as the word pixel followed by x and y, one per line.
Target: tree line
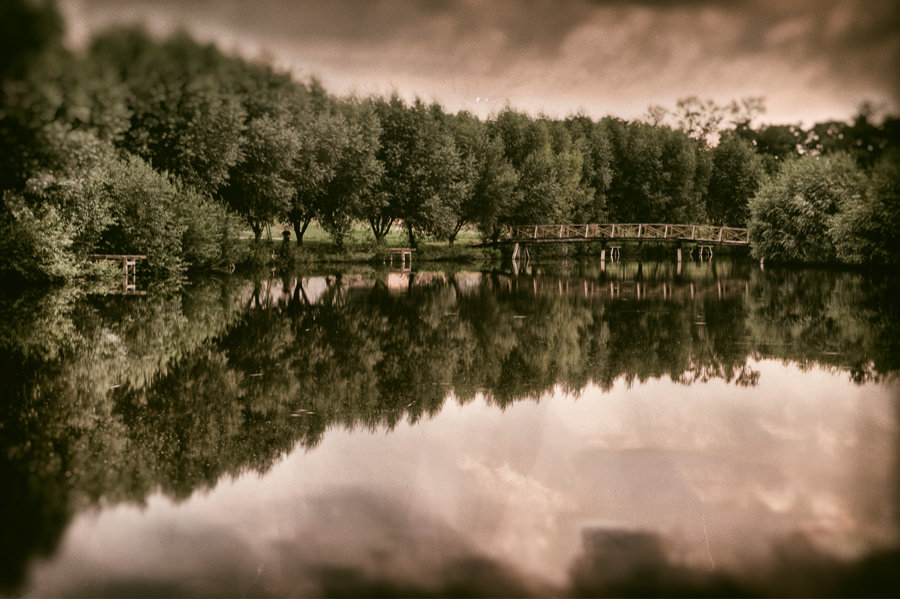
pixel 167 148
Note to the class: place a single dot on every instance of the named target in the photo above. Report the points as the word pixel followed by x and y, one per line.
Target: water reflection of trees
pixel 108 399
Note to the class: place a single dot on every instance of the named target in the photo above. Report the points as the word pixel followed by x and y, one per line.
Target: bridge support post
pixel 520 251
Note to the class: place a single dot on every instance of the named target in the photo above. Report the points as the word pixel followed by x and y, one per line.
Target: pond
pixel 714 429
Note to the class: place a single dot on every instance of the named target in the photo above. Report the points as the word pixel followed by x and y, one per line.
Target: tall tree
pixel 356 173
pixel 486 181
pixel 321 140
pixel 596 169
pixel 259 186
pixel 659 175
pixel 185 115
pixel 548 167
pixel 421 167
pixel 737 172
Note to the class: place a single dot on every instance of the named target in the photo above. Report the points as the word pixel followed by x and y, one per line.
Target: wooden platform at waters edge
pixel 116 257
pixel 404 253
pixel 129 267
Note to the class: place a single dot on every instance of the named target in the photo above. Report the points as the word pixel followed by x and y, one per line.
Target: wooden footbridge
pixel 703 237
pixel 705 234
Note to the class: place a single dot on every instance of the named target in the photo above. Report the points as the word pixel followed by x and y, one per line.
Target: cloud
pixel 813 59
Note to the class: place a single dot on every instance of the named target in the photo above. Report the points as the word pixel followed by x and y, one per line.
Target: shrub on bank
pixel 792 213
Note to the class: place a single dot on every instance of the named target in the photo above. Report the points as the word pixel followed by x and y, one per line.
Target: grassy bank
pixel 360 247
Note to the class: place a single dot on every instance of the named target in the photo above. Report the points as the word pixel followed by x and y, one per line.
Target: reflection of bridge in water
pixel 628 289
pixel 624 285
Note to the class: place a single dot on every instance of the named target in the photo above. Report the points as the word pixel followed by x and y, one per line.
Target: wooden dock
pixel 129 267
pixel 405 255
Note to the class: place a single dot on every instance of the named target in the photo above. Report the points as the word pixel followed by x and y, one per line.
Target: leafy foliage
pixel 791 213
pixel 867 229
pixel 736 175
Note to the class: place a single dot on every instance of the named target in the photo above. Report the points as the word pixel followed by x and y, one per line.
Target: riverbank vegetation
pixel 168 148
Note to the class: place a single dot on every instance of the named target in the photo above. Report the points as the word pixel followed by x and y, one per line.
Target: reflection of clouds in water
pixel 812 459
pixel 745 478
pixel 527 518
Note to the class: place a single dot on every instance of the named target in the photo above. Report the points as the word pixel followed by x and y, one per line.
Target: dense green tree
pixel 548 167
pixel 776 144
pixel 356 172
pixel 659 174
pixel 596 168
pixel 322 138
pixel 145 215
pixel 62 209
pixel 867 227
pixel 421 171
pixel 335 167
pixel 259 186
pixel 865 140
pixel 736 174
pixel 35 241
pixel 185 117
pixel 791 213
pixel 487 180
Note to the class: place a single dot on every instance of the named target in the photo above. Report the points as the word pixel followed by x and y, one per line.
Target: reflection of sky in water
pixel 724 478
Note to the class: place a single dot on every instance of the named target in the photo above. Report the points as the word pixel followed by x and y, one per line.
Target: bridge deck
pixel 707 234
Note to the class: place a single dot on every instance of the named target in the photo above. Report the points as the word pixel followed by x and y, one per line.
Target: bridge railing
pixel 699 233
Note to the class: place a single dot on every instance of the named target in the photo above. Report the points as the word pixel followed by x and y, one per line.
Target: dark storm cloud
pixel 808 57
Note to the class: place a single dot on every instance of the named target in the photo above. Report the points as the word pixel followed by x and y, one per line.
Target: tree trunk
pixel 380 228
pixel 300 229
pixel 455 232
pixel 412 237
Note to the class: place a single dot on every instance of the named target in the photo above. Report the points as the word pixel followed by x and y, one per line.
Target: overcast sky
pixel 811 59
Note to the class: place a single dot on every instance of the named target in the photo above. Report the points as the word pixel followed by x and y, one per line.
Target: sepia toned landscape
pixel 442 299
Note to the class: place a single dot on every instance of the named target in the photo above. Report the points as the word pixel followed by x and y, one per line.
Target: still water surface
pixel 722 430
